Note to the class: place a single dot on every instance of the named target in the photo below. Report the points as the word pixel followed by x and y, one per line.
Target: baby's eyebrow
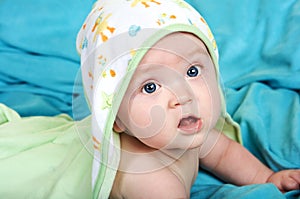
pixel 197 57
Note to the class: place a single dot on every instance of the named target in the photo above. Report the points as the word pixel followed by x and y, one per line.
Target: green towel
pixel 44 157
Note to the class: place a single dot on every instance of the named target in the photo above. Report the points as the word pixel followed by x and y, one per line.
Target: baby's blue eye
pixel 150 88
pixel 193 71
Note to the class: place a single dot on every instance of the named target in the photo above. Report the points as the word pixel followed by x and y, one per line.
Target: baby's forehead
pixel 176 47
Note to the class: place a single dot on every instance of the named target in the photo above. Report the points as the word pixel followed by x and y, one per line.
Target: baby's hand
pixel 286 180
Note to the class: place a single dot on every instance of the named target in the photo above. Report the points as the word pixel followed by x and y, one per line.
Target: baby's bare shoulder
pixel 142 174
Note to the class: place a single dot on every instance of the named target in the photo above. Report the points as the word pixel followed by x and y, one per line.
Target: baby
pixel 150 70
pixel 181 81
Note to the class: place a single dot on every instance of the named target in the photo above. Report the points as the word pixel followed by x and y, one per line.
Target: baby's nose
pixel 179 101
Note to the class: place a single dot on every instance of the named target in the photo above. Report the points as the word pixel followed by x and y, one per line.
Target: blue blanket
pixel 38 58
pixel 259 44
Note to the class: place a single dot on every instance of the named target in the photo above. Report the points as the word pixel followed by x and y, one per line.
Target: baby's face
pixel 173 97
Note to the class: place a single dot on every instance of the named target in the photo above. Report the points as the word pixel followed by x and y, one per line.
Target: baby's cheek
pixel 215 107
pixel 147 121
pixel 140 116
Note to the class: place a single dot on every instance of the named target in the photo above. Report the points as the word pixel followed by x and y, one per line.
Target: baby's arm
pixel 233 163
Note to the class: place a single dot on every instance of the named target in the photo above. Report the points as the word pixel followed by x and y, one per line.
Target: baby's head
pixel 173 97
pixel 149 70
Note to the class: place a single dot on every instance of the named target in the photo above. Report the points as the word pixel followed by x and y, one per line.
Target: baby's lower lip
pixel 190 125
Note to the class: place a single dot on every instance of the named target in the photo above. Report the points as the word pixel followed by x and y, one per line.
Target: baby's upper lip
pixel 190 124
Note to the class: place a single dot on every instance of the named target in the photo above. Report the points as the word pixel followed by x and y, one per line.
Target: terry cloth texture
pixel 44 157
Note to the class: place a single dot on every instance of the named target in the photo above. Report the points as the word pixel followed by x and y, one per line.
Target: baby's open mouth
pixel 190 124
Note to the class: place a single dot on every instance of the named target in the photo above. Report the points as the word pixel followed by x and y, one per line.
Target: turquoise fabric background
pixel 38 58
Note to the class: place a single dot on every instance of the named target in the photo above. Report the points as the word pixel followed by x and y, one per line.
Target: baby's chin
pixel 193 142
pixel 179 141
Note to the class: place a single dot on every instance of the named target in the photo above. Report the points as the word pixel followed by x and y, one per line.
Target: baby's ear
pixel 118 126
